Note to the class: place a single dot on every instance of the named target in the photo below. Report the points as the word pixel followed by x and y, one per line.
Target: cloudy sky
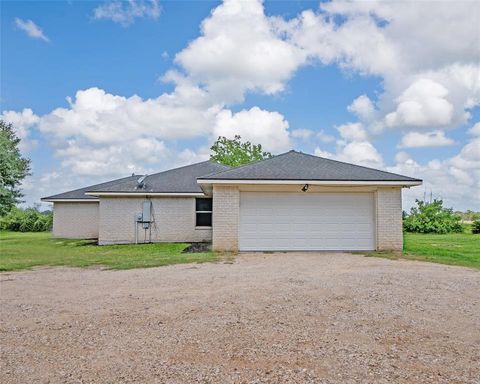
pixel 98 90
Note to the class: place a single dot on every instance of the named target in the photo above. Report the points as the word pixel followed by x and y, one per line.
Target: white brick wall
pixel 75 220
pixel 174 220
pixel 389 219
pixel 226 212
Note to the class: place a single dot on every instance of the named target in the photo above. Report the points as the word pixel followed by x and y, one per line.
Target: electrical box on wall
pixel 147 213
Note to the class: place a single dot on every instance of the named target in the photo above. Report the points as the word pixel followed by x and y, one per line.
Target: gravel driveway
pixel 265 318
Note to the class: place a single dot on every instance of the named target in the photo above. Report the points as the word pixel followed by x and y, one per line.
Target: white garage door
pixel 306 221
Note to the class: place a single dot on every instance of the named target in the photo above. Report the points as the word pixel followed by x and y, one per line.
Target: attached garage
pixel 282 221
pixel 299 202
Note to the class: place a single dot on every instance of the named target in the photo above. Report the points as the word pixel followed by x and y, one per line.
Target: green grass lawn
pixel 453 249
pixel 26 250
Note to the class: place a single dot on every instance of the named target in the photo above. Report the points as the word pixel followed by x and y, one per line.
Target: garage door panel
pixel 306 221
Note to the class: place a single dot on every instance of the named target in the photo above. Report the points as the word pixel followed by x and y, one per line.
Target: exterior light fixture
pixel 305 188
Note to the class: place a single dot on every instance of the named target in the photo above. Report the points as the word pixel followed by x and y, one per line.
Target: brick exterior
pixel 174 220
pixel 389 219
pixel 226 213
pixel 75 220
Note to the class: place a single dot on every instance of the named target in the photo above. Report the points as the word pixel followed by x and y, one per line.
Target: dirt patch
pixel 198 248
pixel 299 318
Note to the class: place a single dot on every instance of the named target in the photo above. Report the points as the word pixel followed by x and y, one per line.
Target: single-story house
pixel 293 201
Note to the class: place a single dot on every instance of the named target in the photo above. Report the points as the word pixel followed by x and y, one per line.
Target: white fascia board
pixel 136 194
pixel 311 182
pixel 70 200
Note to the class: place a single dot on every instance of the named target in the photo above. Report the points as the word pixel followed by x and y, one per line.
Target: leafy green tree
pixel 13 168
pixel 234 152
pixel 432 218
pixel 476 227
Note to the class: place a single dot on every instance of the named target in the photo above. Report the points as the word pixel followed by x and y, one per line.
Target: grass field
pixel 26 250
pixel 461 249
pixel 453 249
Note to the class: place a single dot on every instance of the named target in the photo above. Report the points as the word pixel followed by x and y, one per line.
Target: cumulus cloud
pixel 363 107
pixel 239 50
pixel 354 147
pixel 255 125
pixel 104 118
pixel 422 104
pixel 427 139
pixel 325 137
pixel 353 132
pixel 303 134
pixel 429 82
pixel 31 29
pixel 455 180
pixel 22 123
pixel 475 130
pixel 125 12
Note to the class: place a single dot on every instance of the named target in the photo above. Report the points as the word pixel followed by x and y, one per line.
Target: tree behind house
pixel 13 168
pixel 234 152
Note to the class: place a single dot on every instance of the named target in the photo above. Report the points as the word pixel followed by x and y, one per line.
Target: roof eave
pixel 145 193
pixel 403 183
pixel 66 200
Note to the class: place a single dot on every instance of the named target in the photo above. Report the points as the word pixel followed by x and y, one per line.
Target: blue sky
pixel 337 79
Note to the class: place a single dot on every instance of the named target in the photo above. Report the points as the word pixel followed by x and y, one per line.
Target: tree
pixel 13 168
pixel 235 152
pixel 432 218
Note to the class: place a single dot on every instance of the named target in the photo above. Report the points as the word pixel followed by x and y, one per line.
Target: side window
pixel 203 212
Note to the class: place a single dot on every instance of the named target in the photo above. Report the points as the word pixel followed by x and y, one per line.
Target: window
pixel 203 211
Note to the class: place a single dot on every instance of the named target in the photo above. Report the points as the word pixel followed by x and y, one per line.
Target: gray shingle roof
pixel 300 166
pixel 80 193
pixel 178 180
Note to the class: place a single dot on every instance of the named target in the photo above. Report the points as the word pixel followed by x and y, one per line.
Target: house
pixel 292 201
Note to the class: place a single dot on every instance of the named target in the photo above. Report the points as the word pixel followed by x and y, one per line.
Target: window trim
pixel 196 212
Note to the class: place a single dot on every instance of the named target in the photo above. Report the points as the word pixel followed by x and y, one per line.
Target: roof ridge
pixel 246 165
pixel 114 182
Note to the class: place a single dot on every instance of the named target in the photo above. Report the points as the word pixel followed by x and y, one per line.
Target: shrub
pixel 432 218
pixel 27 220
pixel 476 227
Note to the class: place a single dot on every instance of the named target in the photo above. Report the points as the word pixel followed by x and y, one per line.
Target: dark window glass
pixel 203 204
pixel 204 219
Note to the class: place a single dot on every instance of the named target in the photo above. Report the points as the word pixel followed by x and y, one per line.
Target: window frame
pixel 197 212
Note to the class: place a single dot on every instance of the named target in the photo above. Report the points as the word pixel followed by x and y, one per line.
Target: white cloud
pixel 363 107
pixel 422 104
pixel 22 123
pixel 256 125
pixel 31 29
pixel 455 180
pixel 102 118
pixel 352 132
pixel 357 152
pixel 325 137
pixel 475 130
pixel 429 82
pixel 427 139
pixel 321 153
pixel 354 147
pixel 362 153
pixel 303 134
pixel 125 12
pixel 239 50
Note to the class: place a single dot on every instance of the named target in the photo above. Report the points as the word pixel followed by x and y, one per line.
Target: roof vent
pixel 141 182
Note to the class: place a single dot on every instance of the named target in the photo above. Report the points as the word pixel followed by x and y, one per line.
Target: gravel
pixel 265 318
